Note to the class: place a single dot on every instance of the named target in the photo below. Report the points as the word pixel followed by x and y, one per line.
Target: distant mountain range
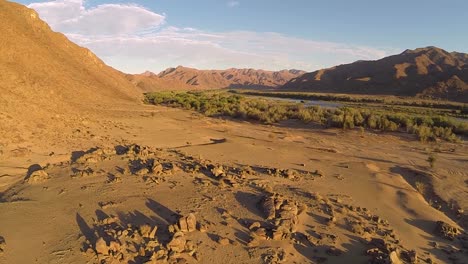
pixel 183 78
pixel 425 72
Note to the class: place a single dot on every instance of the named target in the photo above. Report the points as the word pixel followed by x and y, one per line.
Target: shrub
pixel 432 160
pixel 426 127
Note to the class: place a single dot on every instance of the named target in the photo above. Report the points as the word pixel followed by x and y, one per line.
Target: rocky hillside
pixel 45 78
pixel 425 72
pixel 183 78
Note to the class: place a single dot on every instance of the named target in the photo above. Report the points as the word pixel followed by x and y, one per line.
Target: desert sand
pixel 256 193
pixel 89 174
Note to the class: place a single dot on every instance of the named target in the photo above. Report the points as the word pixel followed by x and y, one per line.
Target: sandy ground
pixel 223 191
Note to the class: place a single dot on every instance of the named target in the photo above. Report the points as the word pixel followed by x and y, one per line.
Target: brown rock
pixel 114 246
pixel 37 176
pixel 101 247
pixel 177 244
pixel 268 206
pixel 260 233
pixel 157 168
pixel 218 171
pixel 2 244
pixel 152 234
pixel 446 231
pixel 145 230
pixel 394 258
pixel 411 256
pixel 223 241
pixel 254 225
pixel 188 223
pixel 191 222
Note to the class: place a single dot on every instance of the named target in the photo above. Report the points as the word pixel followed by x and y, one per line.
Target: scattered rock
pixel 37 176
pixel 268 205
pixel 411 256
pixel 254 226
pixel 446 231
pixel 147 232
pixel 223 241
pixel 94 155
pixel 2 245
pixel 283 213
pixel 274 256
pixel 157 168
pixel 394 258
pixel 188 223
pixel 87 172
pixel 177 244
pixel 218 171
pixel 101 247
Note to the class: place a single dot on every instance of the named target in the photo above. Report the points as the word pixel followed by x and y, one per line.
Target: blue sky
pixel 138 35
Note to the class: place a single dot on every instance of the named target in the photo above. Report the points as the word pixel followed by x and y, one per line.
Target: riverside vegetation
pixel 216 104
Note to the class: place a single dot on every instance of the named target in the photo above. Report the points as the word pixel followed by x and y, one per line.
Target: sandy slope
pixel 49 84
pixel 54 220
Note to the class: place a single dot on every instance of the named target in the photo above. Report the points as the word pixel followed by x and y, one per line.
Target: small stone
pixel 394 258
pixel 145 230
pixel 254 225
pixel 188 223
pixel 218 171
pixel 101 247
pixel 260 233
pixel 142 251
pixel 202 228
pixel 446 231
pixel 412 256
pixel 177 244
pixel 357 228
pixel 277 234
pixel 2 244
pixel 157 168
pixel 223 241
pixel 268 205
pixel 37 176
pixel 191 222
pixel 114 246
pixel 152 235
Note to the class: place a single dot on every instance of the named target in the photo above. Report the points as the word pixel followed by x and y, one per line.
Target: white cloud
pixel 133 39
pixel 71 16
pixel 233 3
